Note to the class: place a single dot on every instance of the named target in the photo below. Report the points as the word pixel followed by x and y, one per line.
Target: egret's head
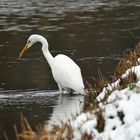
pixel 31 40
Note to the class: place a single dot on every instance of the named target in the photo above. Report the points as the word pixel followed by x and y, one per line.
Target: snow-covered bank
pixel 120 114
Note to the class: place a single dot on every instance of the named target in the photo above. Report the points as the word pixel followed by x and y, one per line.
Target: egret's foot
pixel 70 91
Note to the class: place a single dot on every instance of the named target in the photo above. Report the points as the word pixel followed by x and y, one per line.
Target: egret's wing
pixel 67 72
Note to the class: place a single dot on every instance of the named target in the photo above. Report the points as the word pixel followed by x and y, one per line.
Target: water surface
pixel 94 33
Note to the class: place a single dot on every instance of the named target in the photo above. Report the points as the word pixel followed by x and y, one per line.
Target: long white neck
pixel 45 50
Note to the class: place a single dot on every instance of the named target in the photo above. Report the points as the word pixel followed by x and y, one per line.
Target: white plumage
pixel 65 71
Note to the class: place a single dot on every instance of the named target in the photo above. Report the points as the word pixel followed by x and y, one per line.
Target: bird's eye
pixel 29 41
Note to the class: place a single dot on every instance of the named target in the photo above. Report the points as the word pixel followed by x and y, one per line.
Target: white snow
pixel 88 126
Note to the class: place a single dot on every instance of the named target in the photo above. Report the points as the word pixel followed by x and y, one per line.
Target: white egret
pixel 65 71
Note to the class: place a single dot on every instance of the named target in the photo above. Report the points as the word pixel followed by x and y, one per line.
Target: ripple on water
pixel 13 97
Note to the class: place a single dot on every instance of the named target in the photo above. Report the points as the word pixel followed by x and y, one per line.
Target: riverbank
pixel 111 109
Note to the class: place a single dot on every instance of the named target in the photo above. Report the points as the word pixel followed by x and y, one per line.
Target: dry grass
pixel 90 99
pixel 93 91
pixel 43 133
pixel 128 81
pixel 127 62
pixel 100 120
pixel 124 64
pixel 27 132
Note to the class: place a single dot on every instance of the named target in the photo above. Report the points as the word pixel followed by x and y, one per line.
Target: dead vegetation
pixel 129 60
pixel 43 132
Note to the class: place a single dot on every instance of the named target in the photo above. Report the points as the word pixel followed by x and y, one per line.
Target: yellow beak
pixel 23 50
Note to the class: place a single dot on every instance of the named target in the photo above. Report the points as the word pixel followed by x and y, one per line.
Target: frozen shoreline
pixel 120 113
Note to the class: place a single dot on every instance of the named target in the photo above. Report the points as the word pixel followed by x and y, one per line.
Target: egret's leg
pixel 61 93
pixel 60 89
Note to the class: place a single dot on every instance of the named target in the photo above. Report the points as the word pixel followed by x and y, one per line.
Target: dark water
pixel 94 33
